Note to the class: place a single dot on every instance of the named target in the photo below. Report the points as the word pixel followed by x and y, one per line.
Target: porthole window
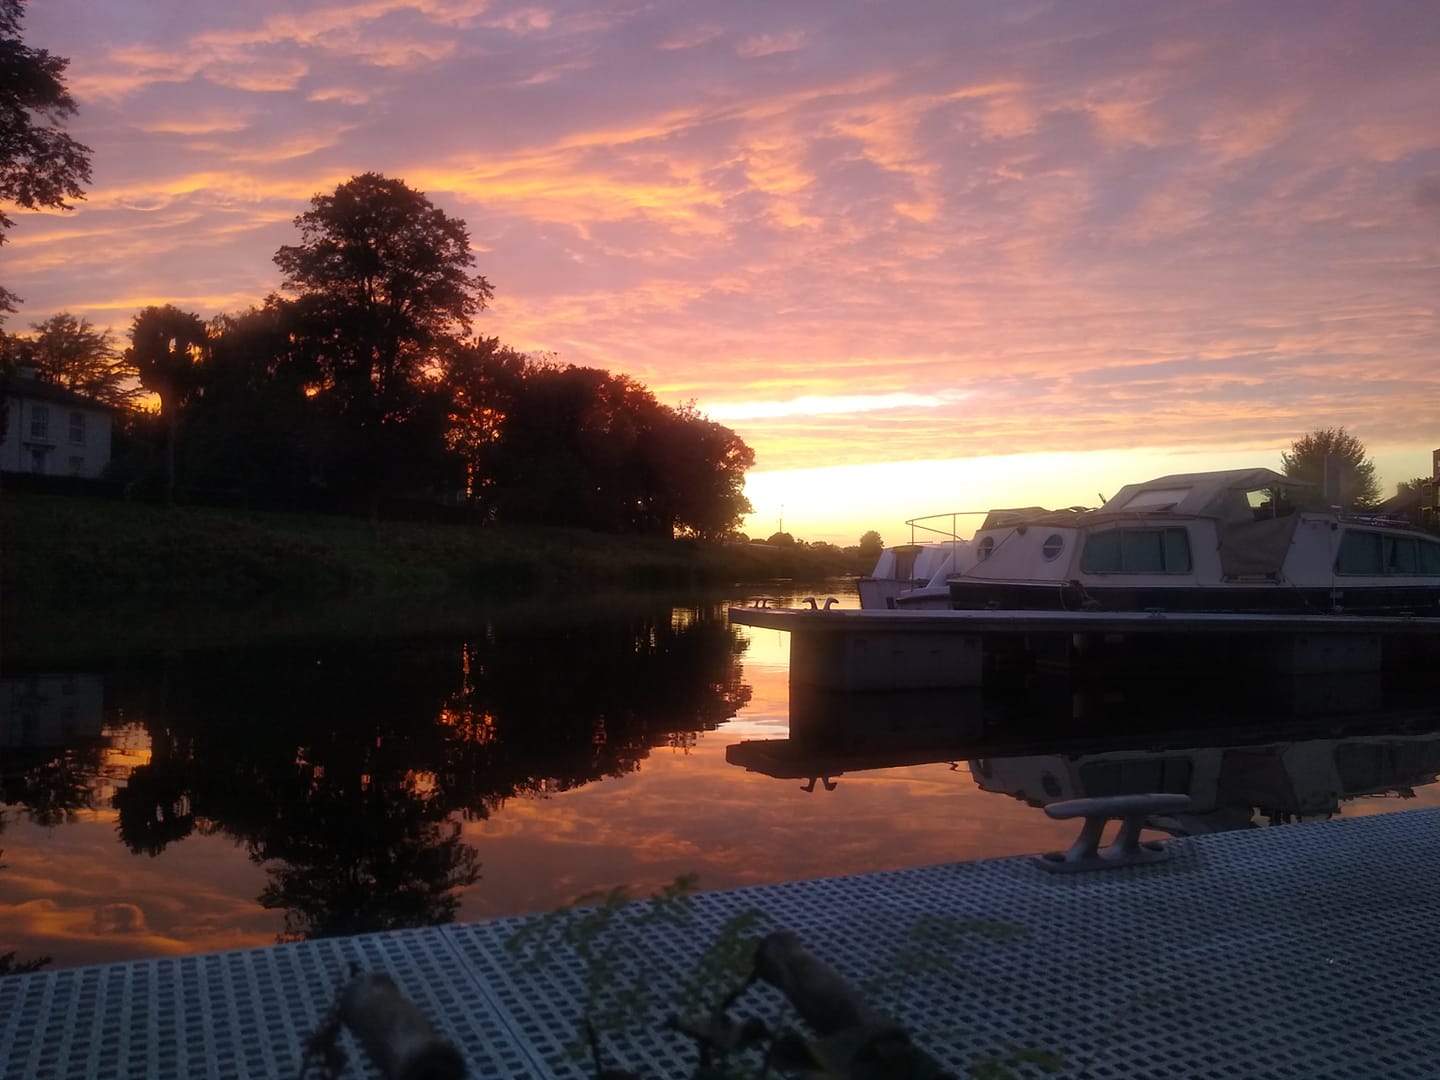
pixel 984 548
pixel 1054 544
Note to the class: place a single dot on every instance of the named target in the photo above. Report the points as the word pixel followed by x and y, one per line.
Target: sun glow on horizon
pixel 838 504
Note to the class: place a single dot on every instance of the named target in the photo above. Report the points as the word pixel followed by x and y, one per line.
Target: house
pixel 1419 504
pixel 51 431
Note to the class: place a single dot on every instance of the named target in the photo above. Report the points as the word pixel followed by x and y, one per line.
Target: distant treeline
pixel 361 385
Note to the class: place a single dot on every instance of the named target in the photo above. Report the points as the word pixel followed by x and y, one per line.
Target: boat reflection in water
pixel 1246 754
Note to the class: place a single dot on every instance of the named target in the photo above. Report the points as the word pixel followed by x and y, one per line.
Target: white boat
pixel 1232 541
pixel 918 573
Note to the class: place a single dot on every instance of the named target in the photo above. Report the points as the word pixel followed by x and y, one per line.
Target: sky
pixel 922 255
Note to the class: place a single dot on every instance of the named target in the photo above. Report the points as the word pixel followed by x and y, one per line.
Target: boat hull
pixel 1270 599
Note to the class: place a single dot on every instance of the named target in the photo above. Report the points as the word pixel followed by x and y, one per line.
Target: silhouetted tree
pixel 1358 487
pixel 871 545
pixel 166 345
pixel 700 467
pixel 40 165
pixel 541 474
pixel 249 425
pixel 382 288
pixel 154 807
pixel 577 446
pixel 360 856
pixel 481 381
pixel 68 351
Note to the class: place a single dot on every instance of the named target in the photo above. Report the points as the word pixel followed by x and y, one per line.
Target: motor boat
pixel 918 573
pixel 1238 540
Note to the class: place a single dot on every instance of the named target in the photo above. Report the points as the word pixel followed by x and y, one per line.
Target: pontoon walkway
pixel 1306 950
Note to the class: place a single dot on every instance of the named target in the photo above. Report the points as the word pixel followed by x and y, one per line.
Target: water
pixel 173 803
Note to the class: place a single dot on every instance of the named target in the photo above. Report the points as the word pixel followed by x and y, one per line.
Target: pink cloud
pixel 744 207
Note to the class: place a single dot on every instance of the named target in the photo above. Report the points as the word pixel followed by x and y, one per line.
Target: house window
pixel 40 421
pixel 1368 553
pixel 77 465
pixel 77 427
pixel 1137 551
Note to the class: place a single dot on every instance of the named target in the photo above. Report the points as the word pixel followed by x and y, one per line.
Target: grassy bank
pixel 67 556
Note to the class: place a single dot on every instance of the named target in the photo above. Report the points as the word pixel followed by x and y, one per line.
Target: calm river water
pixel 191 802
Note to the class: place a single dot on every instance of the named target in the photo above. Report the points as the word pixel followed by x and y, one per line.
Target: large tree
pixel 577 446
pixel 249 426
pixel 480 381
pixel 166 346
pixel 68 351
pixel 382 288
pixel 1339 455
pixel 699 469
pixel 40 165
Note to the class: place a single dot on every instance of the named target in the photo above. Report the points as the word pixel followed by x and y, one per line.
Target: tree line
pixel 361 378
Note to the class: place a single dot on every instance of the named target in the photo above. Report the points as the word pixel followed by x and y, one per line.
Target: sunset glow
pixel 922 258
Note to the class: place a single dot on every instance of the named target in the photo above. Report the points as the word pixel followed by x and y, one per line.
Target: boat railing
pixel 947 534
pixel 1381 521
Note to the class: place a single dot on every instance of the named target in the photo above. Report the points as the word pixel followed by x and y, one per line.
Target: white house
pixel 50 430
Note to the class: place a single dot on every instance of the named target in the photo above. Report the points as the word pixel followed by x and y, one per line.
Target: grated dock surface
pixel 1301 951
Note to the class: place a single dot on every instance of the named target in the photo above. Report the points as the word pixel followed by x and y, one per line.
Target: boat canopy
pixel 1253 510
pixel 1224 495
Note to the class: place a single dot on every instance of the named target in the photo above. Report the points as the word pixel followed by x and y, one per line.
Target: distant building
pixel 50 710
pixel 1420 504
pixel 51 431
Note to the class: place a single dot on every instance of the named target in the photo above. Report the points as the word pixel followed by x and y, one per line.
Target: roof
pixel 1206 494
pixel 36 390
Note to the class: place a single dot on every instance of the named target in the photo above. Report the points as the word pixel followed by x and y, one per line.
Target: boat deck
pixel 842 620
pixel 868 649
pixel 1300 951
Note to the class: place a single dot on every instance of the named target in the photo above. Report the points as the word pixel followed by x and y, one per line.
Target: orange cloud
pixel 1198 221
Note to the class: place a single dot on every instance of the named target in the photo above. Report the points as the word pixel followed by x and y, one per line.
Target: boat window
pixel 1142 551
pixel 1137 551
pixel 1266 503
pixel 1374 553
pixel 905 562
pixel 1155 499
pixel 1054 544
pixel 1401 555
pixel 1430 556
pixel 1359 553
pixel 984 548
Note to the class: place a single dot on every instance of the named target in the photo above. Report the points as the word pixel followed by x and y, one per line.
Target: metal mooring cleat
pixel 1126 849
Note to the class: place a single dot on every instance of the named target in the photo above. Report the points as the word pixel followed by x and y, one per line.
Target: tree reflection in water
pixel 54 789
pixel 361 856
pixel 346 769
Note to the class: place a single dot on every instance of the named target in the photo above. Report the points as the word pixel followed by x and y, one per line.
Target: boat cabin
pixel 1236 540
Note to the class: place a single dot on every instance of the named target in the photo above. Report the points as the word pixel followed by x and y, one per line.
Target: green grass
pixel 65 560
